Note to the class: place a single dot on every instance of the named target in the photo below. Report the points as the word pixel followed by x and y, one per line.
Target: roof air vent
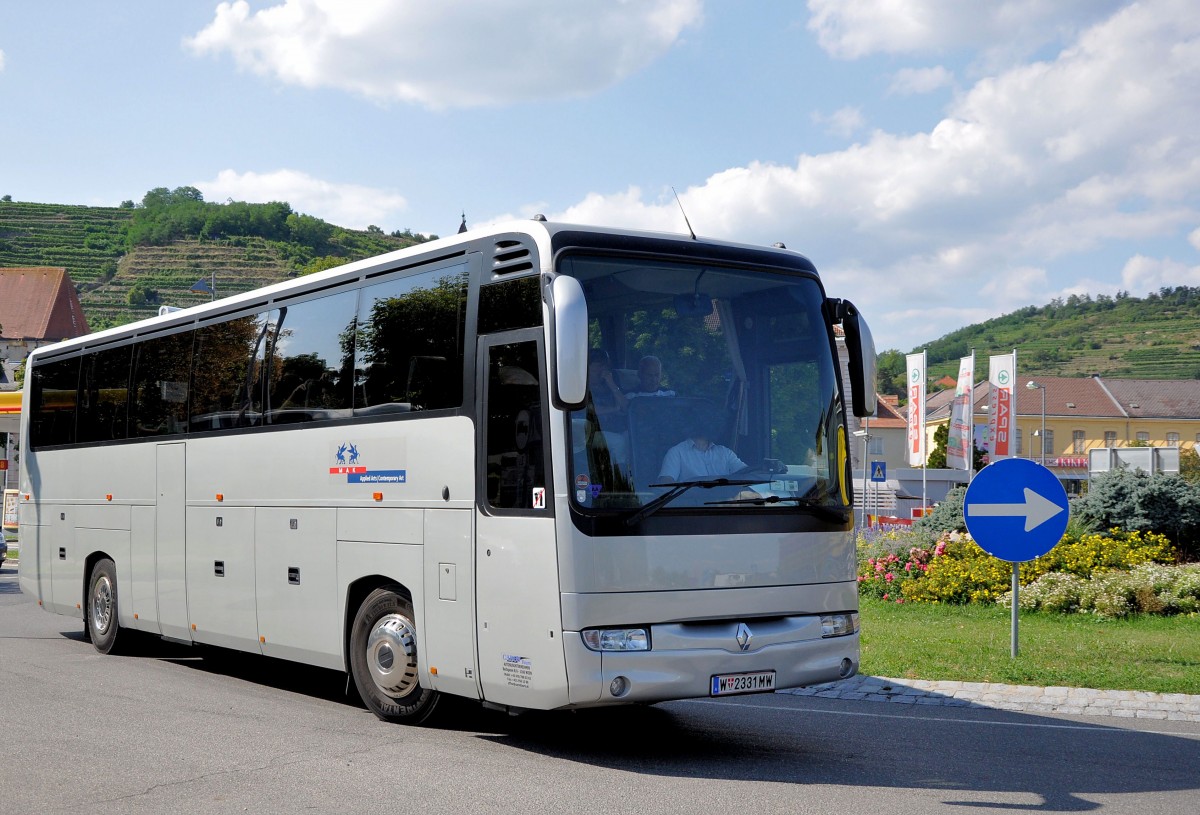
pixel 511 256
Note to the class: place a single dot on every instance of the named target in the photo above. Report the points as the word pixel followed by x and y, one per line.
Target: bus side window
pixel 105 391
pixel 54 402
pixel 409 352
pixel 515 461
pixel 312 360
pixel 159 392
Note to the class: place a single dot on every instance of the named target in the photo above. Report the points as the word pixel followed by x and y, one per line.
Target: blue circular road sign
pixel 1016 509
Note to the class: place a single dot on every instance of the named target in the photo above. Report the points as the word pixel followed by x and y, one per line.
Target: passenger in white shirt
pixel 649 379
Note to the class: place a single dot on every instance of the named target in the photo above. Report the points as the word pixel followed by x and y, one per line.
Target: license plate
pixel 729 684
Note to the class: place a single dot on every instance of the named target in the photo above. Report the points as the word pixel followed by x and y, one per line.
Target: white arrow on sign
pixel 1036 510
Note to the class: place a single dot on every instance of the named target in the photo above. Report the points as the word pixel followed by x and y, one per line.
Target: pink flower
pixel 889 577
pixel 879 567
pixel 899 599
pixel 908 567
pixel 885 597
pixel 861 578
pixel 870 561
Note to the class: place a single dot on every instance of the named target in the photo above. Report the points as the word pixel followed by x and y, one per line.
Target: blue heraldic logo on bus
pixel 348 463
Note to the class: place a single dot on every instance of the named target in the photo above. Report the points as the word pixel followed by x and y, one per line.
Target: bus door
pixel 169 541
pixel 519 621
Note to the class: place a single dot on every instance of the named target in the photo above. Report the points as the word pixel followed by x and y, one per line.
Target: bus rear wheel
pixel 383 659
pixel 103 629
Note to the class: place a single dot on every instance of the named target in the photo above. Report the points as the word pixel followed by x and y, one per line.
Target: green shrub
pixel 1131 499
pixel 947 516
pixel 1150 588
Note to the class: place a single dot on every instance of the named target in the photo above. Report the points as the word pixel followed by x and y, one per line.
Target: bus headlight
pixel 616 639
pixel 839 625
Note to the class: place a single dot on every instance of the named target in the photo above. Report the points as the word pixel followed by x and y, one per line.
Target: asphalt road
pixel 168 730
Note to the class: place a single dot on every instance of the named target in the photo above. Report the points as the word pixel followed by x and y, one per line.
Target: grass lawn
pixel 971 643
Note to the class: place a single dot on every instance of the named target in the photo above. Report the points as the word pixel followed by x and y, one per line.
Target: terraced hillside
pixel 1156 337
pixel 85 240
pixel 119 282
pixel 168 272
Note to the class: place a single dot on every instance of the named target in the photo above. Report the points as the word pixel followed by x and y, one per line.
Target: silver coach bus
pixel 437 470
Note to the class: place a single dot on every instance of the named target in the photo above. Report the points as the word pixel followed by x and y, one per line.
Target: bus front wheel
pixel 383 659
pixel 102 626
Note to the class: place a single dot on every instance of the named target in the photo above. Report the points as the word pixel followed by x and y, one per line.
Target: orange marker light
pixel 433 671
pixel 220 497
pixel 193 626
pixel 262 640
pixel 135 616
pixel 108 497
pixel 378 496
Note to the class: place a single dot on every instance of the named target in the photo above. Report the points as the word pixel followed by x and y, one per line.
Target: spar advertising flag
pixel 916 409
pixel 961 441
pixel 1002 407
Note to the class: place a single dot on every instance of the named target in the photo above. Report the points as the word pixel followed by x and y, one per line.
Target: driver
pixel 699 457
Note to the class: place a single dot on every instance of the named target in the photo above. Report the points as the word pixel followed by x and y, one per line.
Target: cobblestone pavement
pixel 1078 701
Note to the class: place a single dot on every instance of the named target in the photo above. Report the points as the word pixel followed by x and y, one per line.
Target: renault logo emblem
pixel 744 635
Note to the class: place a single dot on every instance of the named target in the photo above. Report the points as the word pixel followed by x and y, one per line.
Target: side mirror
pixel 569 312
pixel 861 346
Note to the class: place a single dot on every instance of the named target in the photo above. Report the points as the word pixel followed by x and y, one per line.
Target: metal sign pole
pixel 1016 588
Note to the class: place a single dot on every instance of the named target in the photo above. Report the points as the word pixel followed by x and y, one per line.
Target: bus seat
pixel 626 379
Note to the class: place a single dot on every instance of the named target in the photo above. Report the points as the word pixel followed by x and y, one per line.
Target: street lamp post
pixel 866 438
pixel 1033 386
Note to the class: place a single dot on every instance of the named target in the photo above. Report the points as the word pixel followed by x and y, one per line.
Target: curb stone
pixel 1001 696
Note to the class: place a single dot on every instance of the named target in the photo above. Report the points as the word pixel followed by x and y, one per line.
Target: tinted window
pixel 160 386
pixel 510 304
pixel 54 401
pixel 227 374
pixel 516 472
pixel 312 360
pixel 104 408
pixel 410 343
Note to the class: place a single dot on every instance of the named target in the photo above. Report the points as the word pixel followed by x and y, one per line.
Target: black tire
pixel 383 659
pixel 100 609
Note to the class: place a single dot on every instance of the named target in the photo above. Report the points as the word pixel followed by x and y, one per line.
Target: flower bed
pixel 1109 574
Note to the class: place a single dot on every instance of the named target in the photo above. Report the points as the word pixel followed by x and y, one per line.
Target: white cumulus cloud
pixel 451 53
pixel 1029 166
pixel 1143 275
pixel 910 81
pixel 844 122
pixel 349 205
pixel 855 28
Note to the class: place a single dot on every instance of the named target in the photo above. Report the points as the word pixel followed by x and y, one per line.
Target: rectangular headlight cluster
pixel 839 625
pixel 616 639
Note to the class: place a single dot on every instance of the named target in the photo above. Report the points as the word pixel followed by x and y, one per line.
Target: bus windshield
pixel 711 388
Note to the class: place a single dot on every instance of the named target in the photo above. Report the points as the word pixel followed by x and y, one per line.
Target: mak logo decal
pixel 348 462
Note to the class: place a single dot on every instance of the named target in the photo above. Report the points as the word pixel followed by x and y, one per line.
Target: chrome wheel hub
pixel 102 604
pixel 392 656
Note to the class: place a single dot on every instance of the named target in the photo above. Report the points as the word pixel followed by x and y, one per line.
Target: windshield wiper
pixel 678 488
pixel 819 508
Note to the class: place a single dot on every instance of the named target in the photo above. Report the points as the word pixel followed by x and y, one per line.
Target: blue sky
pixel 941 162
